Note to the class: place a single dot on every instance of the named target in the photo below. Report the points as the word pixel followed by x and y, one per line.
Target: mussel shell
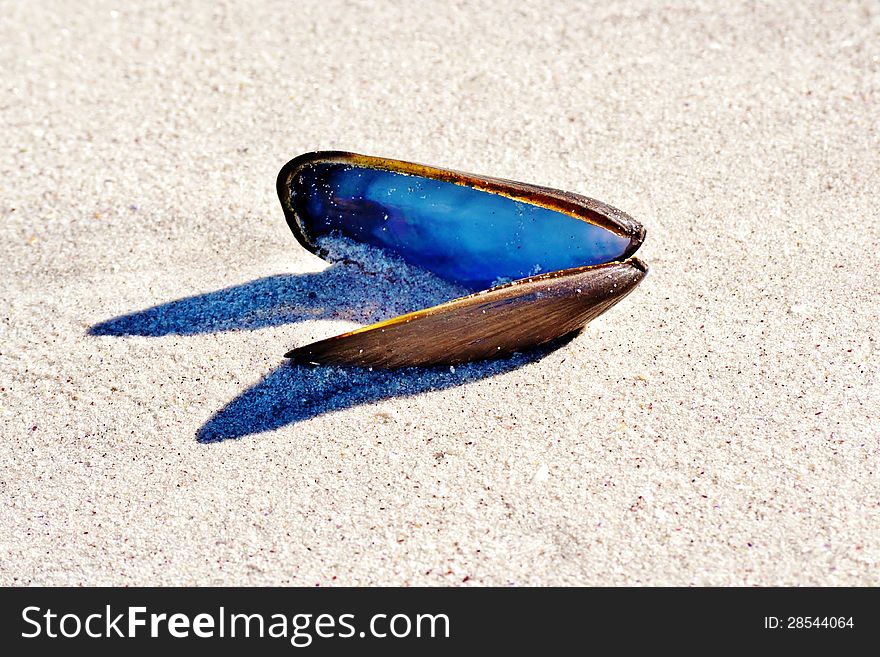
pixel 461 233
pixel 308 228
pixel 489 324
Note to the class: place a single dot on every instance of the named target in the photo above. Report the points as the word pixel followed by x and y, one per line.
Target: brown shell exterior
pixel 490 324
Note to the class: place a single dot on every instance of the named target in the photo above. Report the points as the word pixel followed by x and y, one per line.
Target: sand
pixel 719 426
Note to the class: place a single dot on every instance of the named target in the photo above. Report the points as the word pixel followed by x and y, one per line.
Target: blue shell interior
pixel 464 235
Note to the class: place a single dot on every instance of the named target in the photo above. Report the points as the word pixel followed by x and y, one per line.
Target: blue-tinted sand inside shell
pixel 464 235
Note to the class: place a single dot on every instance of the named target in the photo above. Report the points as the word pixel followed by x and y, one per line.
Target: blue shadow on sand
pixel 270 301
pixel 292 393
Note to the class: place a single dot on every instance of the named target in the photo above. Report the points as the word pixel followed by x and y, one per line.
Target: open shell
pixel 494 322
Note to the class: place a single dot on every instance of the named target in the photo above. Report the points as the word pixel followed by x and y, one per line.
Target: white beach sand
pixel 719 426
